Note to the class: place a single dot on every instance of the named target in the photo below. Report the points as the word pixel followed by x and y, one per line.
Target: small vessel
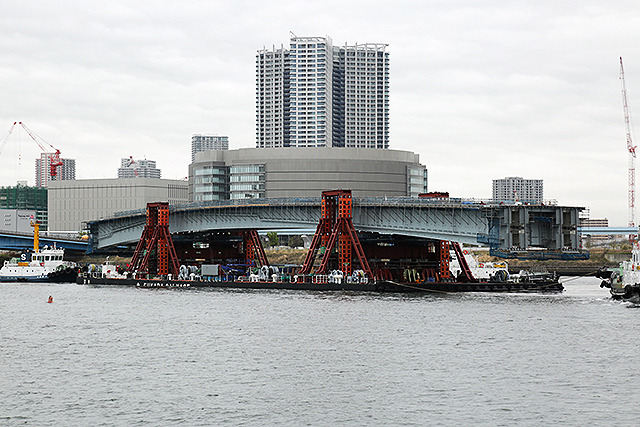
pixel 624 281
pixel 482 271
pixel 40 265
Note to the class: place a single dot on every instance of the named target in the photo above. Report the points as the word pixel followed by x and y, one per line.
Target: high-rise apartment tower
pixel 66 171
pixel 318 95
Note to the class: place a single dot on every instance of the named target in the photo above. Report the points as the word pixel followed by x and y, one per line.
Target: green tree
pixel 272 238
pixel 295 242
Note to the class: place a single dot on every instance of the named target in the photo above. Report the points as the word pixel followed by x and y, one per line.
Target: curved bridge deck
pixel 465 221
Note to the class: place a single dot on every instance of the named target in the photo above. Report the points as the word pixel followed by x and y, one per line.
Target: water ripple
pixel 125 356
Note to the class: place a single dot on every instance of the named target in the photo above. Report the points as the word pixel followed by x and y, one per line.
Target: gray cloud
pixel 480 91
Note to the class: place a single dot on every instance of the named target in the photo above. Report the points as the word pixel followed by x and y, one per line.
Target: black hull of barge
pixel 380 286
pixel 68 275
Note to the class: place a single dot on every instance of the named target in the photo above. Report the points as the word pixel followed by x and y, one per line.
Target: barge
pixel 546 284
pixel 389 266
pixel 496 279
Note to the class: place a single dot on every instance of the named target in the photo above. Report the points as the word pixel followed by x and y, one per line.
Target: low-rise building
pixel 304 172
pixel 17 221
pixel 24 197
pixel 73 202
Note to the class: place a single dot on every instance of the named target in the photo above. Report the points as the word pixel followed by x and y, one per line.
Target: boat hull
pixel 61 276
pixel 628 293
pixel 379 286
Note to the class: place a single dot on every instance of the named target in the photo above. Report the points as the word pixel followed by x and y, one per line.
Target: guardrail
pixel 455 202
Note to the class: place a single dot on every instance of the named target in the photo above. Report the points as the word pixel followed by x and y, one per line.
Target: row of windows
pixel 210 170
pixel 309 127
pixel 246 187
pixel 299 53
pixel 247 178
pixel 257 168
pixel 209 179
pixel 210 188
pixel 247 195
pixel 208 197
pixel 308 45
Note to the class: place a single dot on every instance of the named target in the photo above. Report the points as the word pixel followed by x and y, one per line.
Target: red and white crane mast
pixel 631 149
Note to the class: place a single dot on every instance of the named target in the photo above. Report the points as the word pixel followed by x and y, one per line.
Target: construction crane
pixel 631 149
pixel 54 157
pixel 5 137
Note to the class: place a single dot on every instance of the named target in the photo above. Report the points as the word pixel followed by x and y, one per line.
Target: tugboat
pixel 40 265
pixel 624 281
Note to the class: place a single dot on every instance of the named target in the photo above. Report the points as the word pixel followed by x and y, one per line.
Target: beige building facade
pixel 71 203
pixel 253 173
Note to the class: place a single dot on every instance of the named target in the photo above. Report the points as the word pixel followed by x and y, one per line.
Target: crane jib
pixel 53 153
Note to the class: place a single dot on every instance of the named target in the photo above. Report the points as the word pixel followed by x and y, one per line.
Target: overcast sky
pixel 481 90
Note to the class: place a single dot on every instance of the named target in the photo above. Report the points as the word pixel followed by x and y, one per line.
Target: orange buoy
pixel 50 299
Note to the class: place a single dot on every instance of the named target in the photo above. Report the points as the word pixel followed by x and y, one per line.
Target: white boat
pixel 482 271
pixel 496 271
pixel 46 265
pixel 39 265
pixel 624 281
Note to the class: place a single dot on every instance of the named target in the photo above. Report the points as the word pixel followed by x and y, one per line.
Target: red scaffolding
pixel 253 249
pixel 444 256
pixel 336 227
pixel 156 240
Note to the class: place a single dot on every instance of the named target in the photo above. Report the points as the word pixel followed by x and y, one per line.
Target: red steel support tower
pixel 155 239
pixel 336 226
pixel 445 273
pixel 253 248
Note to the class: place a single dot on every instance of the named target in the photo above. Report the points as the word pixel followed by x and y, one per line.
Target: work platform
pixel 466 221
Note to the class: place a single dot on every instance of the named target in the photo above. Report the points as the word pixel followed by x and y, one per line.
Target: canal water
pixel 105 356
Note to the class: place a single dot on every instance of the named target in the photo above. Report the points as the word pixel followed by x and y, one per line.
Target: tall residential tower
pixel 318 95
pixel 66 171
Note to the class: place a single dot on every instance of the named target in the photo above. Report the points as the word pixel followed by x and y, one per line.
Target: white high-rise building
pixel 272 98
pixel 316 95
pixel 365 98
pixel 130 168
pixel 311 74
pixel 203 142
pixel 517 189
pixel 65 171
